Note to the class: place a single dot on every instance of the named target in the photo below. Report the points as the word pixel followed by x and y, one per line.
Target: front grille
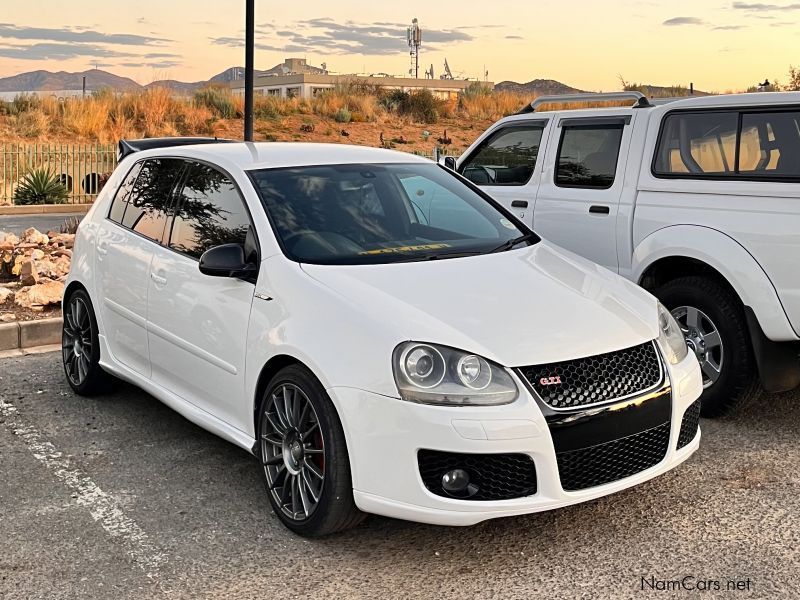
pixel 496 476
pixel 610 461
pixel 689 425
pixel 596 379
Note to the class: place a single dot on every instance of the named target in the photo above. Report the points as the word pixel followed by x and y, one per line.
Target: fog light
pixel 456 483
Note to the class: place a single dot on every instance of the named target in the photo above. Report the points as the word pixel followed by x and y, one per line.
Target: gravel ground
pixel 119 497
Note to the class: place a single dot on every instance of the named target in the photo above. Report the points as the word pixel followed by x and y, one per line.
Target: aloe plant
pixel 40 186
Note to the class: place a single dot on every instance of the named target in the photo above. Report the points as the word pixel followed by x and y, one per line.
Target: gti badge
pixel 554 380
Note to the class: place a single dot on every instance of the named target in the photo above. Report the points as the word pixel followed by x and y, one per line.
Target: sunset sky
pixel 717 44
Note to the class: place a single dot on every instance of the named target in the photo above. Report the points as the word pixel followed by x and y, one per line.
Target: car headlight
pixel 432 374
pixel 670 336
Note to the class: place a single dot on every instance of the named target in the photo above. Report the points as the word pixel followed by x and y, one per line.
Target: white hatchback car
pixel 381 334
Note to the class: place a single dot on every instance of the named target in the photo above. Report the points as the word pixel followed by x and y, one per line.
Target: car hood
pixel 528 306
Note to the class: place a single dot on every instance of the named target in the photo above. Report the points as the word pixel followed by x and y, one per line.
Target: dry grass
pixel 107 117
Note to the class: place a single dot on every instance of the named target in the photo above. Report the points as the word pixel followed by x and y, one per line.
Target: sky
pixel 718 45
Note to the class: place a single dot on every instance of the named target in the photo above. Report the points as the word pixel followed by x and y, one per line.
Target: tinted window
pixel 698 143
pixel 587 155
pixel 436 206
pixel 210 213
pixel 508 157
pixel 770 144
pixel 366 214
pixel 123 194
pixel 146 209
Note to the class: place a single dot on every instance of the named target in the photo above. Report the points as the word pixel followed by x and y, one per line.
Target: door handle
pixel 599 210
pixel 158 279
pixel 519 204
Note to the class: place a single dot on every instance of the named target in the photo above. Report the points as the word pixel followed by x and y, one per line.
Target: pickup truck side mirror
pixel 227 261
pixel 450 163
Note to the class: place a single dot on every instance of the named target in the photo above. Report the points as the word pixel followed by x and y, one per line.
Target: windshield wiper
pixel 438 256
pixel 508 245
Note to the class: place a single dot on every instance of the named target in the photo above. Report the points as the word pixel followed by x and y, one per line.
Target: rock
pixel 62 252
pixel 29 272
pixel 34 236
pixel 10 240
pixel 41 294
pixel 17 268
pixel 37 254
pixel 63 239
pixel 8 317
pixel 4 294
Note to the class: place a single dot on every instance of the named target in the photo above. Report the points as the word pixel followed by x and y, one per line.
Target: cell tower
pixel 414 35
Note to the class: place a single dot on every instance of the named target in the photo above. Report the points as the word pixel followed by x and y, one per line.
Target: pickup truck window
pixel 704 144
pixel 698 143
pixel 507 157
pixel 770 144
pixel 587 155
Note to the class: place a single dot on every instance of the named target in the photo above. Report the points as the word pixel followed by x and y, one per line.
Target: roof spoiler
pixel 127 147
pixel 640 100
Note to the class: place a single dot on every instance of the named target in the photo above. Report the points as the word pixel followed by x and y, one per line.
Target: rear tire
pixel 80 347
pixel 701 306
pixel 305 462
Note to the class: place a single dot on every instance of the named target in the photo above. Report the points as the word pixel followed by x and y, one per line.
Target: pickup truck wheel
pixel 714 325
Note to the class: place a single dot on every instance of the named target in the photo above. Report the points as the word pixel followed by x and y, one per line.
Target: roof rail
pixel 127 147
pixel 660 101
pixel 640 100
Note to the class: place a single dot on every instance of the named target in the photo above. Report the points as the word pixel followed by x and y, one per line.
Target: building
pixel 294 78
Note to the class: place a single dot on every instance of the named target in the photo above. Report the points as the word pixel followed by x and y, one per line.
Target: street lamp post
pixel 249 52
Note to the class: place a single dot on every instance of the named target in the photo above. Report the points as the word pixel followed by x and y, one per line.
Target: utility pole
pixel 249 57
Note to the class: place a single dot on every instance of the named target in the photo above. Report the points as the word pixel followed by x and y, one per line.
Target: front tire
pixel 713 323
pixel 80 347
pixel 304 455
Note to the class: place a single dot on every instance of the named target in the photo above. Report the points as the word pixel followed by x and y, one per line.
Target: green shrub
pixel 342 116
pixel 218 100
pixel 421 105
pixel 40 186
pixel 24 103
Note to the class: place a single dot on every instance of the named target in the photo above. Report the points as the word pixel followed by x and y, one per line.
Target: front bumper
pixel 384 435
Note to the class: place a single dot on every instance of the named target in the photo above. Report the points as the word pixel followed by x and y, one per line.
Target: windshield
pixel 381 213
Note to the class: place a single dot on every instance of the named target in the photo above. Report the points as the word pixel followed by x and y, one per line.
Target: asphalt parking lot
pixel 119 497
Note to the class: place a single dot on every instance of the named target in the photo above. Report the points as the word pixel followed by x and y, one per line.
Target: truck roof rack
pixel 640 100
pixel 127 147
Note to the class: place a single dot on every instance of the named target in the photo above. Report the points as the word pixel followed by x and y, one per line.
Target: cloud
pixel 76 35
pixel 761 7
pixel 728 27
pixel 165 64
pixel 153 55
pixel 514 37
pixel 54 51
pixel 677 21
pixel 326 36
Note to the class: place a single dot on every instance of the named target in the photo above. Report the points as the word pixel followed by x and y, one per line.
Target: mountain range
pixel 96 79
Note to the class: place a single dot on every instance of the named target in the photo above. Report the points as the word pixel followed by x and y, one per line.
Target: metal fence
pixel 80 167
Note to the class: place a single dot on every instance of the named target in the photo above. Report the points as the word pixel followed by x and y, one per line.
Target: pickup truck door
pixel 581 184
pixel 504 162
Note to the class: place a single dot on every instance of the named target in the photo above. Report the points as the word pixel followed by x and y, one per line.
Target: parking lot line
pixel 103 508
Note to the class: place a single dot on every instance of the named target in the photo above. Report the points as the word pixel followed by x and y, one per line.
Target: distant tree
pixel 794 80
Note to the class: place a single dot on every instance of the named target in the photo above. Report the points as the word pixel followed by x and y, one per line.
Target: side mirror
pixel 226 261
pixel 450 163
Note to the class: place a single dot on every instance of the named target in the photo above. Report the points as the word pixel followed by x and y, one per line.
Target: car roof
pixel 265 155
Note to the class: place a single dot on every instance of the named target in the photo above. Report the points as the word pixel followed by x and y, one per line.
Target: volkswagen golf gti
pixel 378 332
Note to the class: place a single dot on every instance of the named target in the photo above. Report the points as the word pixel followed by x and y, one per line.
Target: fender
pixel 728 257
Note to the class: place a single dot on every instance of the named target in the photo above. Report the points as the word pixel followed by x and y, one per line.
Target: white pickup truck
pixel 697 200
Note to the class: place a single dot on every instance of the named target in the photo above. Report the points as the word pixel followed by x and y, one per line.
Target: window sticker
pixel 404 249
